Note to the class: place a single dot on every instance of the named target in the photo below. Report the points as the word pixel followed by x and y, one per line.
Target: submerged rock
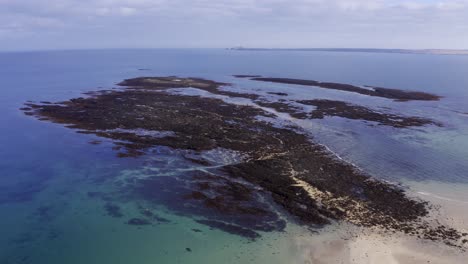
pixel 138 222
pixel 113 210
pixel 231 229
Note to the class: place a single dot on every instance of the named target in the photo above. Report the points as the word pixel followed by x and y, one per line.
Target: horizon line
pixel 242 48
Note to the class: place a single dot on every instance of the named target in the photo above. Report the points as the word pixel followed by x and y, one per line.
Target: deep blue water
pixel 44 165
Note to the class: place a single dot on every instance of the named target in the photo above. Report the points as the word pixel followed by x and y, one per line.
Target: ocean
pixel 52 179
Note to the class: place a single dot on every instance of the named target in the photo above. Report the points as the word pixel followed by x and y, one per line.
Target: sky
pixel 86 24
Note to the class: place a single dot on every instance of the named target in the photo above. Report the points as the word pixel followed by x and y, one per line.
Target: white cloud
pixel 127 11
pixel 112 11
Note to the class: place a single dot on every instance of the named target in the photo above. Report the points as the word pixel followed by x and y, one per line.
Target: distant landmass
pixel 404 51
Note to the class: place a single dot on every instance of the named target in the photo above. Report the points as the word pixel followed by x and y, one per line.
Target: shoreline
pixel 365 50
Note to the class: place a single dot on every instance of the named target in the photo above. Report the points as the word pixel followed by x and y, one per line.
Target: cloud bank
pixel 62 24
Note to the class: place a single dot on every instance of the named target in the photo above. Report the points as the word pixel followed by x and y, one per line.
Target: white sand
pixel 347 244
pixel 376 248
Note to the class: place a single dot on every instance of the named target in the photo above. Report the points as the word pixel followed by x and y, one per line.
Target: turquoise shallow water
pixel 52 179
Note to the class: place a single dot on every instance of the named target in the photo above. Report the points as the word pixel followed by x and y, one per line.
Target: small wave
pixel 441 197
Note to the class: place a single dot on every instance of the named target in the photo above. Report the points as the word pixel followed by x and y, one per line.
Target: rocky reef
pixel 282 173
pixel 395 94
pixel 329 108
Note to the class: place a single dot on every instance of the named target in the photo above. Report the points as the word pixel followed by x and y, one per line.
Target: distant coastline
pixel 401 51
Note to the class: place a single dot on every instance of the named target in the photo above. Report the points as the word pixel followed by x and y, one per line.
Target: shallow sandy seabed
pixel 342 245
pixel 375 248
pixel 450 199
